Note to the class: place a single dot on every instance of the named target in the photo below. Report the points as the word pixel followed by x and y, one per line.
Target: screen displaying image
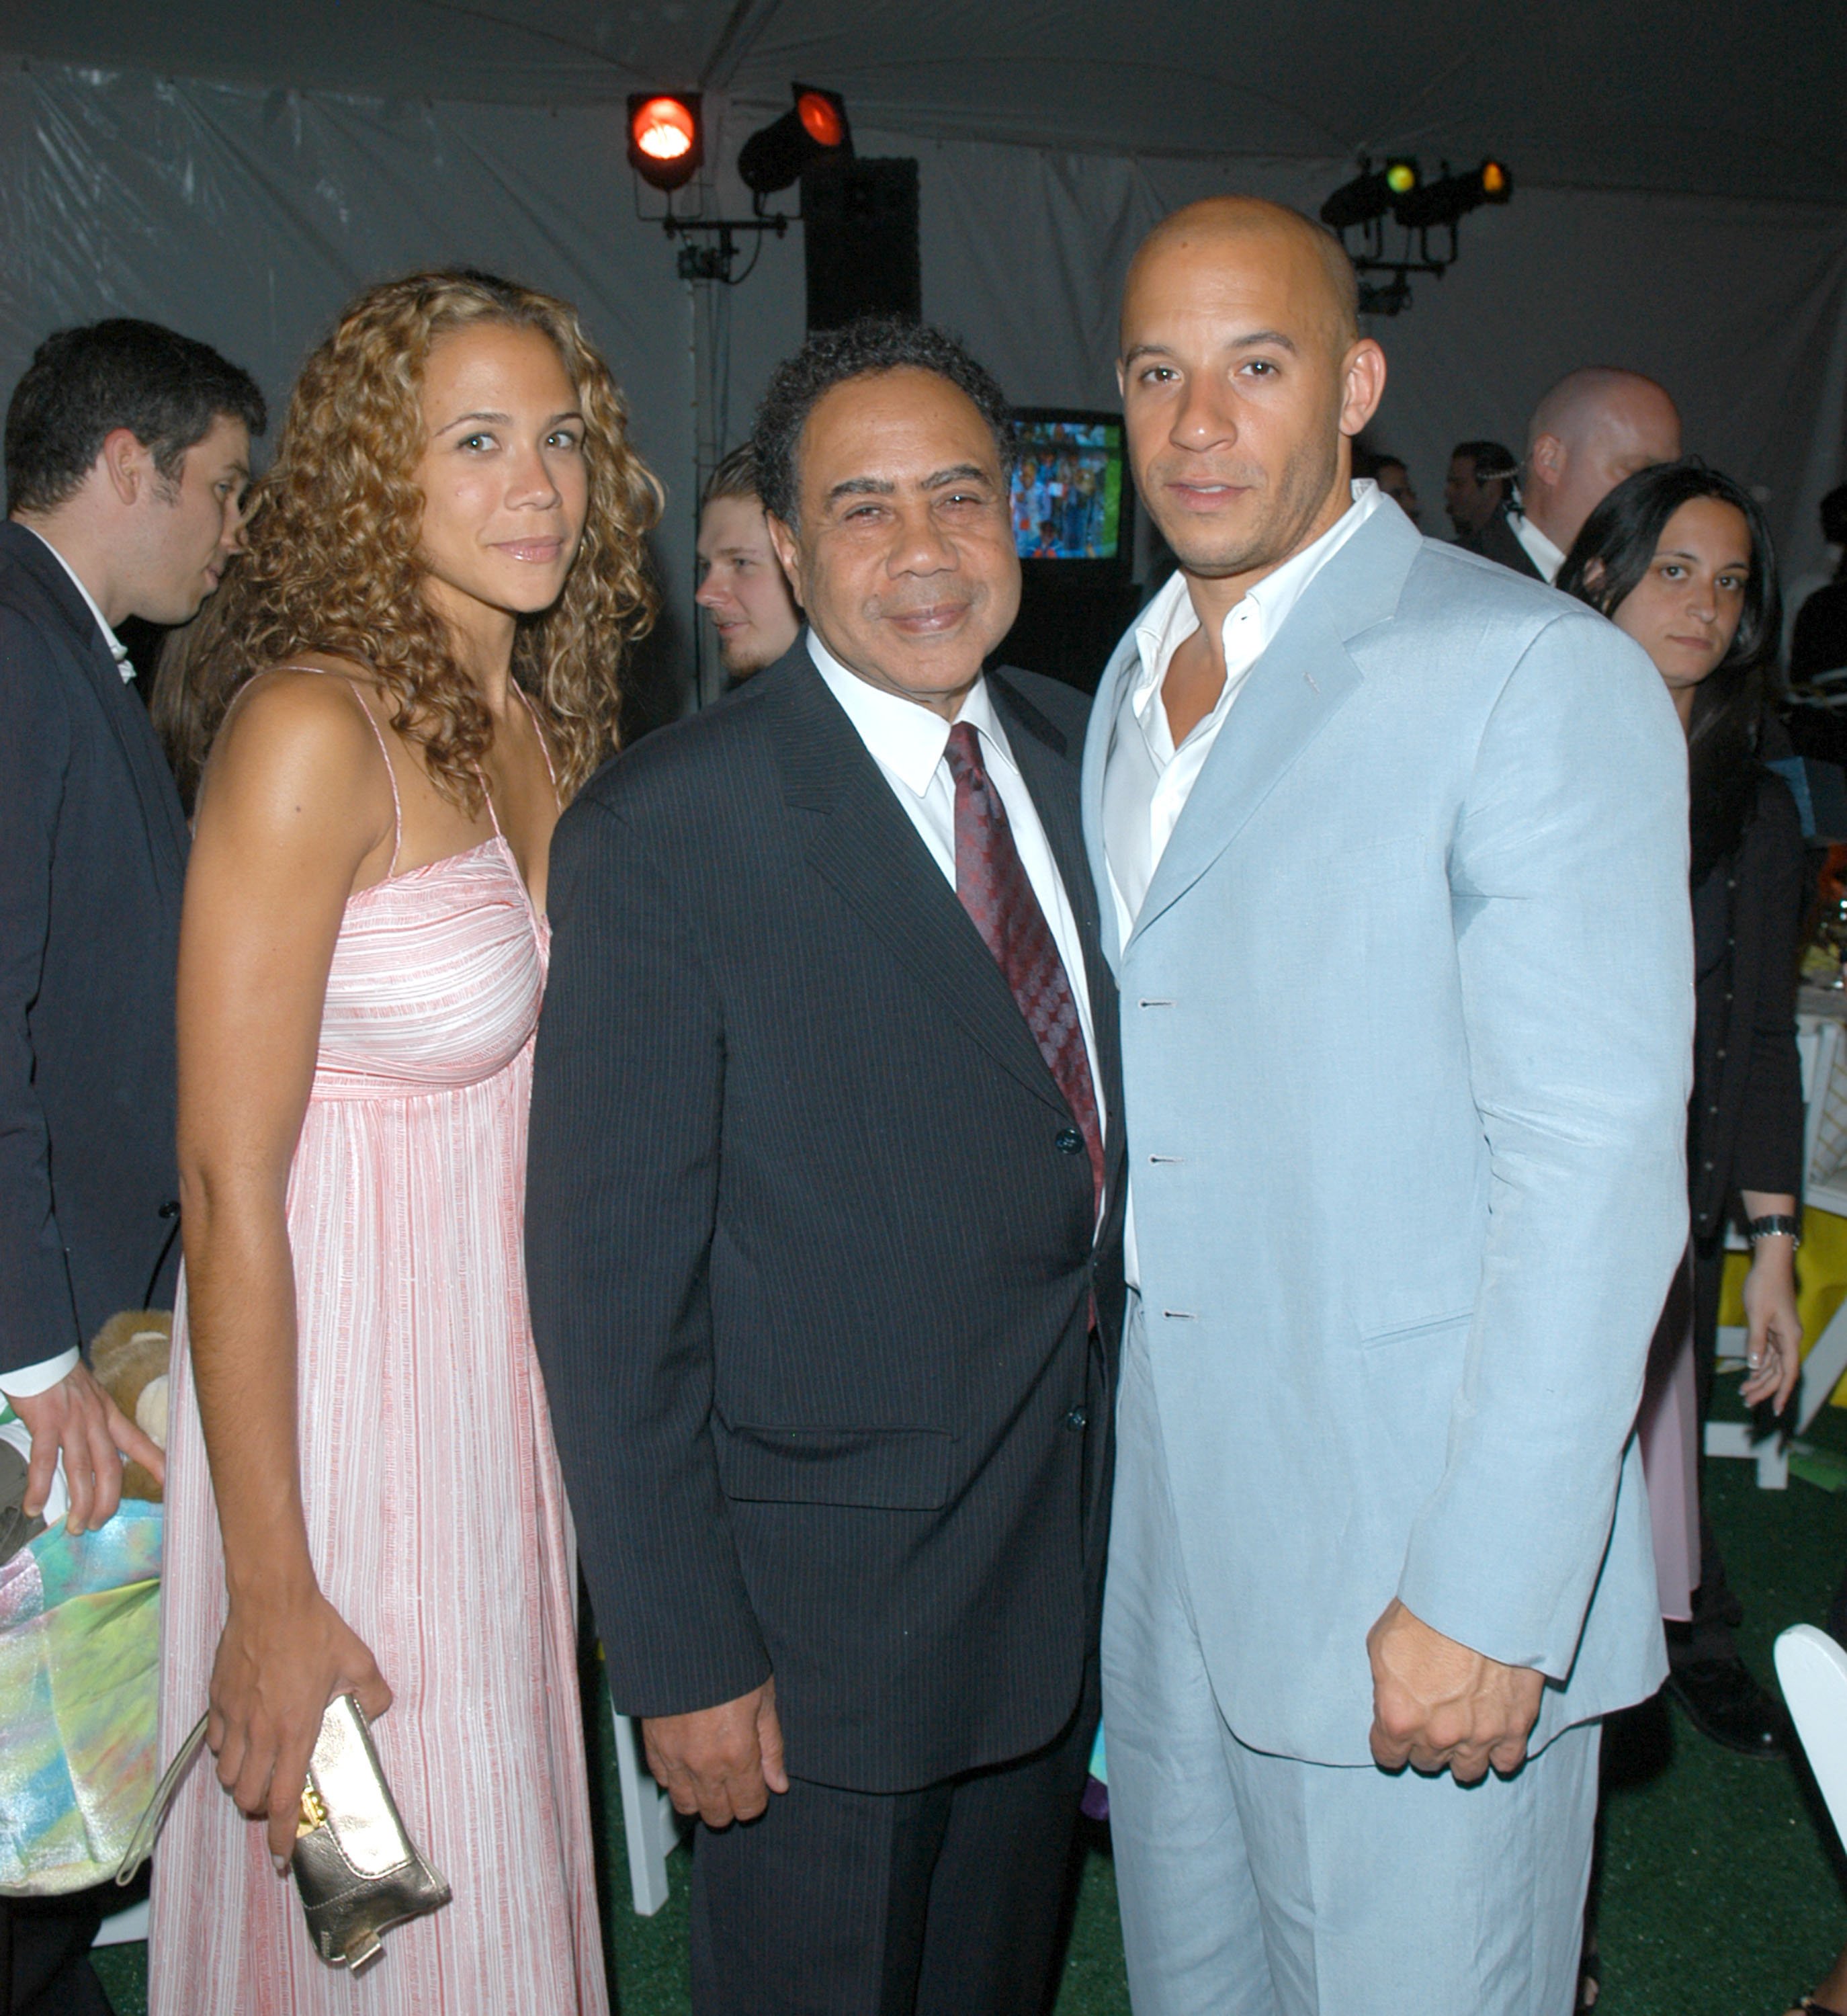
pixel 1067 490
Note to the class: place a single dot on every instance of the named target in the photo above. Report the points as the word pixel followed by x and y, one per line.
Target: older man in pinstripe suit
pixel 821 1232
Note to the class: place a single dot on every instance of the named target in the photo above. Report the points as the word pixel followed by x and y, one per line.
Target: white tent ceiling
pixel 1685 96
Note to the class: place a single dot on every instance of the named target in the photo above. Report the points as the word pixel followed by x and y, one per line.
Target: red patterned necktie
pixel 991 882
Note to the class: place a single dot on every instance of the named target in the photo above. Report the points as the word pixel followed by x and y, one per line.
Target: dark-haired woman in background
pixel 1679 556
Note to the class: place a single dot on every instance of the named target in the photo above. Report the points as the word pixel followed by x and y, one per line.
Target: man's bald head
pixel 1244 378
pixel 1595 428
pixel 1221 222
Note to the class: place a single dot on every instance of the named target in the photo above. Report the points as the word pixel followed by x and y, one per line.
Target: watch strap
pixel 1776 1225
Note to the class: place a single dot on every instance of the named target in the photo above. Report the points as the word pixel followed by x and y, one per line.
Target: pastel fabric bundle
pixel 80 1628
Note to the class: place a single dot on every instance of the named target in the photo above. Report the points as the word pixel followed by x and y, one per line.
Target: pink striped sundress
pixel 436 1514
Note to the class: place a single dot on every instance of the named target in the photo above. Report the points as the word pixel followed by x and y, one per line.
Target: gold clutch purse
pixel 357 1871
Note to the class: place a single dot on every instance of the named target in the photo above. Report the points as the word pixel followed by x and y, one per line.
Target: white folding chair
pixel 650 1825
pixel 1812 1671
pixel 124 1927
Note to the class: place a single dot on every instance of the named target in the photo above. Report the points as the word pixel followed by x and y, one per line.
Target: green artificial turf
pixel 1723 1891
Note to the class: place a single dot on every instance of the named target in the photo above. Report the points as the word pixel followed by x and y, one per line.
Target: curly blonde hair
pixel 334 565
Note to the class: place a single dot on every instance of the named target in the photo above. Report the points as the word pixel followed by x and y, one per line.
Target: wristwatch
pixel 1779 1225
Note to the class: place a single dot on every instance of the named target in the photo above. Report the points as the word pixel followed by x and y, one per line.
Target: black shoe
pixel 1723 1701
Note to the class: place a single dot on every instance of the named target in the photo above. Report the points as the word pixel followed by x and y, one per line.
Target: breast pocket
pixel 1423 1329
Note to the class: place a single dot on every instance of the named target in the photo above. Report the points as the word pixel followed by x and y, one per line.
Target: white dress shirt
pixel 909 742
pixel 1147 780
pixel 27 1380
pixel 117 649
pixel 1540 549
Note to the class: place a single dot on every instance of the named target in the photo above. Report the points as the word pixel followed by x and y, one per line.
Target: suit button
pixel 1068 1141
pixel 1077 1418
pixel 170 1209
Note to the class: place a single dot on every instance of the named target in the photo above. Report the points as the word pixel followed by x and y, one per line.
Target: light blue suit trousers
pixel 1255 1886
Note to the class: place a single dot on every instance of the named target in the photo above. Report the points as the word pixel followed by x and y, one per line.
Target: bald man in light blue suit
pixel 1392 846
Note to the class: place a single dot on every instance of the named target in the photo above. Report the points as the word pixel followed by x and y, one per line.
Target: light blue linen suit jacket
pixel 1407 1023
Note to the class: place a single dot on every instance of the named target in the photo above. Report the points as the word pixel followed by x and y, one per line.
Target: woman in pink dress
pixel 416 660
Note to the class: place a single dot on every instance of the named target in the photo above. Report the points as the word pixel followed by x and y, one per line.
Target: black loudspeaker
pixel 859 228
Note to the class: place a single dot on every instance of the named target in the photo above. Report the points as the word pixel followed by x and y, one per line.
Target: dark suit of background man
pixel 824 1124
pixel 1595 428
pixel 128 456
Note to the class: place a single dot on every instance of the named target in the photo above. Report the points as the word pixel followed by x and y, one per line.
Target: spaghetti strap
pixel 544 748
pixel 488 793
pixel 487 790
pixel 321 671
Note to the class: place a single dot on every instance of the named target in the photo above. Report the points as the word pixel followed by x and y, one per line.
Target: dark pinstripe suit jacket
pixel 810 1271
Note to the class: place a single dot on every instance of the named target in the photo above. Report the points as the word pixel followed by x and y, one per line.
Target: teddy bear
pixel 129 1358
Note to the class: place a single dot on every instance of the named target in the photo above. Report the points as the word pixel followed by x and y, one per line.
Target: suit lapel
pixel 1291 694
pixel 866 847
pixel 162 820
pixel 1044 759
pixel 1288 697
pixel 1044 762
pixel 1103 713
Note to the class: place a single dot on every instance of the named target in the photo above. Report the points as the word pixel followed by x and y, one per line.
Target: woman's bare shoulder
pixel 303 728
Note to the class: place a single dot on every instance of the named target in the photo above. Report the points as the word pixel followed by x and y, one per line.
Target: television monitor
pixel 1071 494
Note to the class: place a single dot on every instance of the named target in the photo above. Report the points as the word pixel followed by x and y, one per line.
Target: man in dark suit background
pixel 1815 622
pixel 1478 485
pixel 822 1232
pixel 128 456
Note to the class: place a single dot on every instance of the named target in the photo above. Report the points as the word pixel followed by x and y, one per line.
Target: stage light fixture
pixel 1451 197
pixel 666 138
pixel 814 128
pixel 1370 194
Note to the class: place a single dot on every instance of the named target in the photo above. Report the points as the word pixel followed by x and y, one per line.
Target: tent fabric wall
pixel 246 217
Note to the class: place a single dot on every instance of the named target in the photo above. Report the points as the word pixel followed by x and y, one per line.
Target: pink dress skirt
pixel 437 1518
pixel 1670 1428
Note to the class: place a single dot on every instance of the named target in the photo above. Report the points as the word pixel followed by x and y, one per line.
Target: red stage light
pixel 666 138
pixel 813 129
pixel 822 117
pixel 664 129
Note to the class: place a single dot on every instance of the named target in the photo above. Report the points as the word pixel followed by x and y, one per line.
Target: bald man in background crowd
pixel 1400 1221
pixel 1594 428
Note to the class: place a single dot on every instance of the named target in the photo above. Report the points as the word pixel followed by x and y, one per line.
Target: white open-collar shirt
pixel 1543 552
pixel 117 649
pixel 910 744
pixel 1147 780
